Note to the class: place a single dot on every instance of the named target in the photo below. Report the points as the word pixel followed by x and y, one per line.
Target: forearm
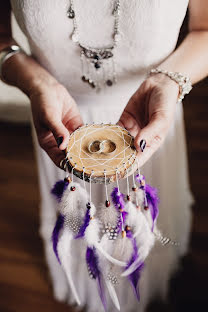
pixel 190 58
pixel 22 71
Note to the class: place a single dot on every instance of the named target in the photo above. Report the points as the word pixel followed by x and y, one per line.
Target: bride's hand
pixel 150 113
pixel 55 115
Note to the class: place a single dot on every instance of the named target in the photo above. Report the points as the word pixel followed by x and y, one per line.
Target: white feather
pixel 92 232
pixel 107 215
pixel 113 294
pixel 71 200
pixel 92 210
pixel 132 268
pixel 64 252
pixel 138 197
pixel 109 257
pixel 145 241
pixel 132 213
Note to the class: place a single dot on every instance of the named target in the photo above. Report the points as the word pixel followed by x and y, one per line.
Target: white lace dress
pixel 149 31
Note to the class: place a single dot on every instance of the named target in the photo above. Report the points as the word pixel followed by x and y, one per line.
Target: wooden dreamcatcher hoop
pixel 101 153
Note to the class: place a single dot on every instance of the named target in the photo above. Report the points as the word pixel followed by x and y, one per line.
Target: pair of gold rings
pixel 104 147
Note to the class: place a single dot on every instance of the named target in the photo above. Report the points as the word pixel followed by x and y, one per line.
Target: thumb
pixel 60 132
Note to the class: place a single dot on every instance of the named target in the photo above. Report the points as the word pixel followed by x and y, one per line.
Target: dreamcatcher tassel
pixel 153 201
pixel 113 294
pixel 74 200
pixel 106 249
pixel 145 240
pixel 132 213
pixel 94 272
pixel 55 235
pixel 59 188
pixel 119 203
pixel 92 232
pixel 134 276
pixel 64 246
pixel 84 225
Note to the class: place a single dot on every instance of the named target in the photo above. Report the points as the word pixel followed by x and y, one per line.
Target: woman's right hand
pixel 55 116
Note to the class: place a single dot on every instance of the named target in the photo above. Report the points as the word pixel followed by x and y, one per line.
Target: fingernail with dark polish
pixel 59 140
pixel 142 145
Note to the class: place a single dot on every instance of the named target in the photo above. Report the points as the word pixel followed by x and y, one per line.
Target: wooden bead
pixel 123 234
pixel 134 188
pixel 128 197
pixel 88 205
pixel 146 207
pixel 67 179
pixel 127 228
pixel 73 188
pixel 107 203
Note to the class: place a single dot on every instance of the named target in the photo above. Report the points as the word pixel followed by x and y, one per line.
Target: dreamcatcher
pixel 118 234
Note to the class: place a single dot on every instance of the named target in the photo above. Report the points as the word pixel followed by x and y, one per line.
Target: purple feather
pixel 134 279
pixel 119 203
pixel 55 235
pixel 153 202
pixel 118 199
pixel 134 276
pixel 139 178
pixel 93 268
pixel 84 225
pixel 59 188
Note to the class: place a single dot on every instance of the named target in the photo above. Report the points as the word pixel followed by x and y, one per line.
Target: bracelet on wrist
pixel 184 82
pixel 5 54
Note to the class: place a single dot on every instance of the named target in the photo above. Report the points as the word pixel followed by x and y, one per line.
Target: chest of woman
pixel 148 31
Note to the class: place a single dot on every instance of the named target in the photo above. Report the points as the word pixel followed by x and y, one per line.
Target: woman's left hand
pixel 150 113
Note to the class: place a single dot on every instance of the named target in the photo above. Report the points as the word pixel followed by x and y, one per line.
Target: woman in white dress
pixel 61 102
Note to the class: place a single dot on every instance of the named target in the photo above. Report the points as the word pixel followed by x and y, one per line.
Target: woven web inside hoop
pixel 80 157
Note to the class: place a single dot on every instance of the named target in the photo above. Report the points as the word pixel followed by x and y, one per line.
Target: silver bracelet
pixel 6 53
pixel 184 82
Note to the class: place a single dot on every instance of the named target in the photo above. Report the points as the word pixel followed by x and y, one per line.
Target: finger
pixel 73 121
pixel 129 122
pixel 151 137
pixel 50 146
pixel 60 132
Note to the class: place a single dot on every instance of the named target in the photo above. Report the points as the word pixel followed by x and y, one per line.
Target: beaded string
pixel 117 181
pixel 84 183
pixel 134 188
pixel 119 193
pixel 107 202
pixel 127 183
pixel 91 186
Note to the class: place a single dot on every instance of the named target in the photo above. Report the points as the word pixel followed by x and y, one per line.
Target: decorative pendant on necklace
pixel 97 66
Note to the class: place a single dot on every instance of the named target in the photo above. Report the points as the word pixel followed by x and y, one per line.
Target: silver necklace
pixel 98 65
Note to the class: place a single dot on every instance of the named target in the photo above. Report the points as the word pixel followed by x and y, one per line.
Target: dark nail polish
pixel 142 145
pixel 59 141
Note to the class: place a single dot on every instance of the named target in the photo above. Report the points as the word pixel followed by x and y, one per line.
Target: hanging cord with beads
pixel 107 202
pixel 121 215
pixel 92 172
pixel 135 189
pixel 127 182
